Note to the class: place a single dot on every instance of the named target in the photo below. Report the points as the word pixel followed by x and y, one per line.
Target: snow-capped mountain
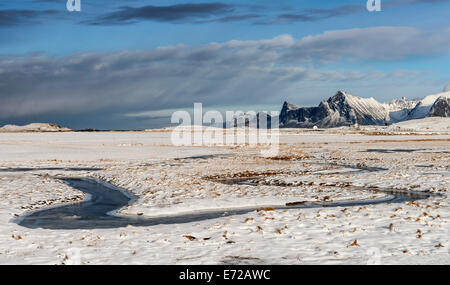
pixel 440 108
pixel 400 108
pixel 423 107
pixel 344 109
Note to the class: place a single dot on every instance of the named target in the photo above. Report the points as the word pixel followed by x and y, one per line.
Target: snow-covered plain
pixel 311 166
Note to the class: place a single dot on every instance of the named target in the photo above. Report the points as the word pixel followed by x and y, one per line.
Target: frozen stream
pixel 98 210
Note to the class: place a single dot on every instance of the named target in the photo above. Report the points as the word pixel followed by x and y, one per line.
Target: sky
pixel 129 64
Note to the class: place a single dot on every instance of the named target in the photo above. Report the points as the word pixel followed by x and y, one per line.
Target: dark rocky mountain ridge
pixel 344 109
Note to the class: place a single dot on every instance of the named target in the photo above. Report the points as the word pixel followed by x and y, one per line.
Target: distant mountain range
pixel 344 109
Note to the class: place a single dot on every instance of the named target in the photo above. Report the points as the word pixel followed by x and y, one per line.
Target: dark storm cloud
pixel 18 17
pixel 410 2
pixel 261 71
pixel 312 15
pixel 198 13
pixel 234 18
pixel 173 13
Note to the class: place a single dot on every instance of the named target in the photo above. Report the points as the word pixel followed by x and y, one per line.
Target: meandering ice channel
pixel 98 210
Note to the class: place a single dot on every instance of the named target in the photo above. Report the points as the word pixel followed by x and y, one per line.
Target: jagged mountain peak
pixel 340 96
pixel 289 106
pixel 402 102
pixel 357 108
pixel 424 106
pixel 440 108
pixel 400 108
pixel 342 109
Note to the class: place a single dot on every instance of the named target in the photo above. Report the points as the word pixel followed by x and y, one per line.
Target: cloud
pixel 264 71
pixel 446 88
pixel 380 43
pixel 314 14
pixel 412 2
pixel 172 13
pixel 161 78
pixel 18 17
pixel 198 13
pixel 233 18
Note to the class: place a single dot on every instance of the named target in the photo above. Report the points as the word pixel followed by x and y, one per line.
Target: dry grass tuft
pixel 191 238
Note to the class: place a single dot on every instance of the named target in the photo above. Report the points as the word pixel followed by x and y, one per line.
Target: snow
pixel 343 108
pixel 368 106
pixel 424 106
pixel 340 109
pixel 399 108
pixel 429 124
pixel 34 127
pixel 171 180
